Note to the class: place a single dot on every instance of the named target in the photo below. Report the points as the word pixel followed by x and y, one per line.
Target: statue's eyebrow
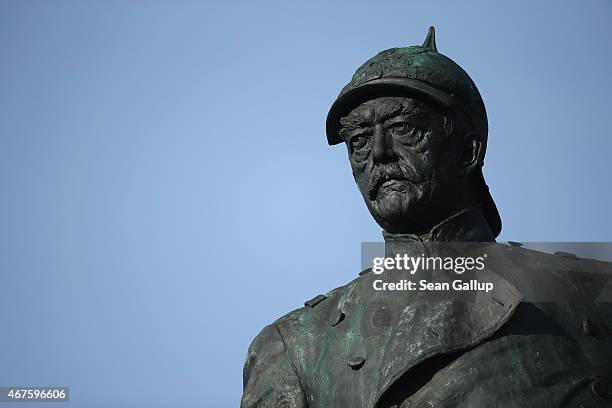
pixel 354 121
pixel 359 121
pixel 394 110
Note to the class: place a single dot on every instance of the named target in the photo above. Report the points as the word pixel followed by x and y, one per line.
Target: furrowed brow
pixel 394 110
pixel 353 122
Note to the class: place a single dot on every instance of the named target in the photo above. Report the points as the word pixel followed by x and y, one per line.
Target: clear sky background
pixel 166 188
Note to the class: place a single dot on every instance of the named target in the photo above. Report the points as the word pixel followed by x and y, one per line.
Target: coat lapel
pixel 431 325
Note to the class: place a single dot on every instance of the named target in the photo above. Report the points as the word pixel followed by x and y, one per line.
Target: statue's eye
pixel 406 133
pixel 358 143
pixel 401 128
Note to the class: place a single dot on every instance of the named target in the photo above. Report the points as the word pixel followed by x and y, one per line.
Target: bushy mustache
pixel 386 172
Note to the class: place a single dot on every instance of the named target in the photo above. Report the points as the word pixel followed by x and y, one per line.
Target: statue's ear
pixel 473 153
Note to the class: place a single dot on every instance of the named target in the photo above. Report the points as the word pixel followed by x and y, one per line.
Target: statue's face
pixel 407 167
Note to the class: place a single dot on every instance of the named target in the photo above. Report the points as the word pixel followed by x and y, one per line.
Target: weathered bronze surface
pixel 416 130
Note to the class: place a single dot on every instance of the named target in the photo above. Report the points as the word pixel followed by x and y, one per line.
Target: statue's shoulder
pixel 319 313
pixel 324 304
pixel 576 291
pixel 558 277
pixel 534 260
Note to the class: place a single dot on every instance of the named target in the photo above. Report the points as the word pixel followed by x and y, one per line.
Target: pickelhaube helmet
pixel 422 72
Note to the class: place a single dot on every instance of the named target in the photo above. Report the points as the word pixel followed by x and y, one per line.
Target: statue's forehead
pixel 379 107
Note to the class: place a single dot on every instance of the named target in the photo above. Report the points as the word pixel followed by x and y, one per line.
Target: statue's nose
pixel 382 151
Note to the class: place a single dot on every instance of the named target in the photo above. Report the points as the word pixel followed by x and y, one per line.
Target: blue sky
pixel 167 189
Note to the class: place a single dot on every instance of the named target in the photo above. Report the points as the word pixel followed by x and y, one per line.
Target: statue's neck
pixel 468 225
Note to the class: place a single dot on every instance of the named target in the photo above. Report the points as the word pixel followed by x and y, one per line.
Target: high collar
pixel 467 225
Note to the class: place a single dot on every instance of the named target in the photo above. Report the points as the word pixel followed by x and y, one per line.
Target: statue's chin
pixel 391 208
pixel 399 206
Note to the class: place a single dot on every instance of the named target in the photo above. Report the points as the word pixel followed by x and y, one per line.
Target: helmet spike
pixel 430 40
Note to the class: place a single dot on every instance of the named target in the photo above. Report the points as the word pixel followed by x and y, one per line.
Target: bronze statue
pixel 416 131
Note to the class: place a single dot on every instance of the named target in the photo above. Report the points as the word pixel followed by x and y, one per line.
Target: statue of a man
pixel 416 131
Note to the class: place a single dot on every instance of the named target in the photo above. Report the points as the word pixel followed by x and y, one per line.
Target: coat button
pixel 336 317
pixel 599 386
pixel 356 363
